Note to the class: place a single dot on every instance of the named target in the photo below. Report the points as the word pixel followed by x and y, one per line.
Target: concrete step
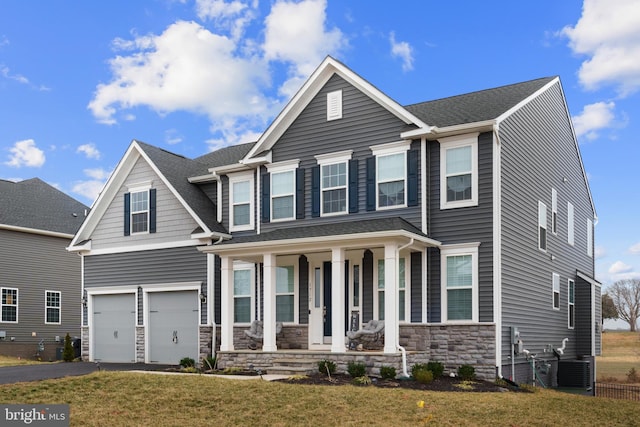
pixel 297 362
pixel 289 370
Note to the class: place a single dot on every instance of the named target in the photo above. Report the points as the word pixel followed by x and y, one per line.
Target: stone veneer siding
pixel 140 348
pixel 84 344
pixel 292 337
pixel 206 341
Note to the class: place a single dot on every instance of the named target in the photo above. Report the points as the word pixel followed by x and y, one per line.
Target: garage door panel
pixel 114 328
pixel 173 326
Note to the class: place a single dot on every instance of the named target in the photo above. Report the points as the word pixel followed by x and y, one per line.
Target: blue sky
pixel 80 80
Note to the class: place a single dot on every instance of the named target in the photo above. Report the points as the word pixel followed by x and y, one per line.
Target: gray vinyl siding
pixel 145 267
pixel 174 223
pixel 463 225
pixel 34 264
pixel 365 123
pixel 583 316
pixel 537 152
pixel 416 287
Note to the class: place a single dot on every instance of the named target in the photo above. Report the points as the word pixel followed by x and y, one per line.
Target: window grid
pixel 282 195
pixel 140 212
pixel 459 287
pixel 571 303
pixel 242 296
pixel 334 188
pixel 556 291
pixel 285 294
pixel 458 174
pixel 241 217
pixel 52 307
pixel 542 226
pixel 9 305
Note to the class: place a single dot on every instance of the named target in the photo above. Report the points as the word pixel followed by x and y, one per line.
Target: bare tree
pixel 626 298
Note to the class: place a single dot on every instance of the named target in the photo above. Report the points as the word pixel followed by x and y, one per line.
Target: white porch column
pixel 391 330
pixel 269 301
pixel 226 299
pixel 337 300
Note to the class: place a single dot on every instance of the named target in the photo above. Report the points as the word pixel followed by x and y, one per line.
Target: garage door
pixel 114 328
pixel 173 326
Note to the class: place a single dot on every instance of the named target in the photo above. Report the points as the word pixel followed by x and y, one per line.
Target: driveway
pixel 15 374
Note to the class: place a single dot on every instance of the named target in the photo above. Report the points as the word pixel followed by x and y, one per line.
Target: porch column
pixel 226 309
pixel 269 301
pixel 337 300
pixel 390 297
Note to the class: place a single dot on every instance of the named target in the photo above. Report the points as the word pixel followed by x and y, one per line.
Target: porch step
pixel 288 370
pixel 293 366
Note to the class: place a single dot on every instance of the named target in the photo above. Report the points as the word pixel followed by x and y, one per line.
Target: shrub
pixel 466 372
pixel 326 367
pixel 187 362
pixel 67 353
pixel 356 369
pixel 436 367
pixel 362 380
pixel 423 376
pixel 209 362
pixel 633 376
pixel 189 370
pixel 418 367
pixel 387 372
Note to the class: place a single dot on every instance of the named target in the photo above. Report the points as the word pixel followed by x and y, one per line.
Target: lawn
pixel 620 353
pixel 133 399
pixel 14 361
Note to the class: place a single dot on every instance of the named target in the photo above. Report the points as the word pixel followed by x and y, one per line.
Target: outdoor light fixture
pixel 84 299
pixel 203 297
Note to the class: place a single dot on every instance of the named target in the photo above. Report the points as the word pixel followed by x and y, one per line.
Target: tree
pixel 626 299
pixel 68 354
pixel 608 308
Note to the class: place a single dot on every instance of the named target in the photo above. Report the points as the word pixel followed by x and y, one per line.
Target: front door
pixel 320 305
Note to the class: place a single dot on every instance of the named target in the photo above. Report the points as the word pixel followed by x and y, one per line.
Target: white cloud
pixel 402 50
pixel 620 267
pixel 25 153
pixel 232 138
pixel 6 73
pixel 593 118
pixel 635 249
pixel 231 16
pixel 97 173
pixel 89 150
pixel 91 188
pixel 295 33
pixel 608 33
pixel 4 41
pixel 172 137
pixel 186 68
pixel 600 252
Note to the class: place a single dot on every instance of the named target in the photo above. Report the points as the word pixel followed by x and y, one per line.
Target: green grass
pixel 620 353
pixel 132 399
pixel 14 361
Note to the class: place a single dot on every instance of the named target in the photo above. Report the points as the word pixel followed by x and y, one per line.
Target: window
pixel 355 298
pixel 283 186
pixel 242 294
pixel 460 283
pixel 9 305
pixel 571 304
pixel 380 289
pixel 403 301
pixel 570 230
pixel 554 211
pixel 589 237
pixel 556 291
pixel 285 294
pixel 334 105
pixel 334 188
pixel 542 226
pixel 52 307
pixel 241 201
pixel 459 171
pixel 391 174
pixel 139 212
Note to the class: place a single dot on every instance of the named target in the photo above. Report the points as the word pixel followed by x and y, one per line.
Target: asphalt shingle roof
pixel 36 205
pixel 225 156
pixel 475 106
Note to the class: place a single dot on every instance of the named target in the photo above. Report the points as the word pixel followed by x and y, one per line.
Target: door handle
pixel 175 337
pixel 115 334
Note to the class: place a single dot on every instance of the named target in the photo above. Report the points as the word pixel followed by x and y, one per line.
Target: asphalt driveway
pixel 15 374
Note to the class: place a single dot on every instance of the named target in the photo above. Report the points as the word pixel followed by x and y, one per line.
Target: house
pixel 39 278
pixel 465 223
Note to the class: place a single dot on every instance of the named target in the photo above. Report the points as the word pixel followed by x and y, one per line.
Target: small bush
pixel 189 370
pixel 633 376
pixel 387 372
pixel 187 362
pixel 231 370
pixel 67 353
pixel 436 367
pixel 326 367
pixel 362 380
pixel 423 376
pixel 356 369
pixel 466 372
pixel 418 367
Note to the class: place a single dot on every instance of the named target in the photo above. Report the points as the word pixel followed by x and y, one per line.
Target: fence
pixel 618 391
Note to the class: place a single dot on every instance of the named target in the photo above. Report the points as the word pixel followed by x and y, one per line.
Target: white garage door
pixel 173 326
pixel 114 328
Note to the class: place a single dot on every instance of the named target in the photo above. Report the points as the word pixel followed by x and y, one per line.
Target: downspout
pixel 402 349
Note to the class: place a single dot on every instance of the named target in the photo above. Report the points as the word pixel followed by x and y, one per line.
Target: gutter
pixel 435 132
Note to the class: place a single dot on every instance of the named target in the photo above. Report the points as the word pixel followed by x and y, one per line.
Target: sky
pixel 79 80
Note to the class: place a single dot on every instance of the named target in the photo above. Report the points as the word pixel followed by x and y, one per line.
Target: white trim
pixel 147 211
pixel 334 105
pixel 387 150
pixel 59 307
pixel 35 231
pixel 569 304
pixel 453 142
pixel 326 162
pixel 571 232
pixel 542 223
pixel 337 157
pixel 390 148
pixel 283 262
pixel 17 304
pixel 139 187
pixel 424 199
pixel 554 211
pixel 242 266
pixel 144 247
pixel 497 245
pixel 238 178
pixel 470 249
pixel 283 166
pixel 292 194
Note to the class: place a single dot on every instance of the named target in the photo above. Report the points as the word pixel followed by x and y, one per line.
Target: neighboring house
pixel 39 278
pixel 465 223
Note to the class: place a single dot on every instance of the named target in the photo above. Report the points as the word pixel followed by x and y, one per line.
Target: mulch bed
pixel 443 383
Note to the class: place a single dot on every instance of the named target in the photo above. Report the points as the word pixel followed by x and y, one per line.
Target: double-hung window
pixel 140 209
pixel 570 221
pixel 554 211
pixel 283 190
pixel 243 279
pixel 459 171
pixel 391 174
pixel 403 294
pixel 556 291
pixel 140 212
pixel 334 180
pixel 571 304
pixel 285 294
pixel 459 297
pixel 542 226
pixel 241 201
pixel 52 307
pixel 9 305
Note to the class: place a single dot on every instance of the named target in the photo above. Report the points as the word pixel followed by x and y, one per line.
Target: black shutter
pixel 299 193
pixel 266 193
pixel 412 175
pixel 152 210
pixel 315 191
pixel 371 183
pixel 353 186
pixel 127 214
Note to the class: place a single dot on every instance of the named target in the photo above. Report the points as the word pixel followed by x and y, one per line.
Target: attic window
pixel 334 105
